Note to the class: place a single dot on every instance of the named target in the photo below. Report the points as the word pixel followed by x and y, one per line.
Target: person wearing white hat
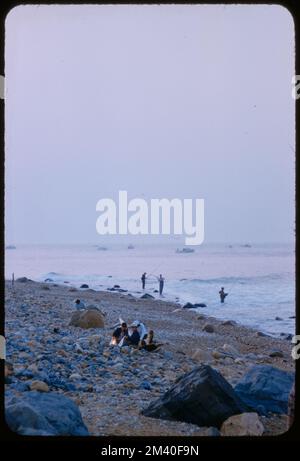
pixel 134 337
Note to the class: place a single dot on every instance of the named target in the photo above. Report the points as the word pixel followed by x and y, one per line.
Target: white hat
pixel 135 323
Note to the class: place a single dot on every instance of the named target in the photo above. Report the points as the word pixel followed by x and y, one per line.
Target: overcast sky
pixel 161 101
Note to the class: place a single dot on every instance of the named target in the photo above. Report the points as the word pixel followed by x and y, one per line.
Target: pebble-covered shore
pixel 112 386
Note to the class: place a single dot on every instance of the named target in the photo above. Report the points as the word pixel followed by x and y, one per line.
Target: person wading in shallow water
pixel 222 295
pixel 143 279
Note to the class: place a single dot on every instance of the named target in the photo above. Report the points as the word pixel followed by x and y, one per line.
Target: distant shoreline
pixel 129 297
pixel 138 293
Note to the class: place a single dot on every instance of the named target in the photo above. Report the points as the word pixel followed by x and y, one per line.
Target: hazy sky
pixel 161 101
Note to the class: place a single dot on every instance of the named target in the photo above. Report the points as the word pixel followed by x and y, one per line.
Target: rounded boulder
pixel 90 318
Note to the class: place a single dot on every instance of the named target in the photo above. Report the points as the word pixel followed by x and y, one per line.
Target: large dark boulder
pixel 188 306
pixel 119 290
pixel 291 406
pixel 38 413
pixel 286 336
pixel 193 306
pixel 147 296
pixel 23 280
pixel 201 397
pixel 266 389
pixel 89 318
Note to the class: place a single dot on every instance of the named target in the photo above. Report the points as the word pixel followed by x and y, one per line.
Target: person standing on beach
pixel 222 295
pixel 143 278
pixel 161 281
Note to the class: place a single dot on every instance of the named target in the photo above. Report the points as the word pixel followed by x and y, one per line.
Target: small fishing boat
pixel 185 250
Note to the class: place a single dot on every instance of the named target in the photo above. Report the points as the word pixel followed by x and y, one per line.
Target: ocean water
pixel 260 279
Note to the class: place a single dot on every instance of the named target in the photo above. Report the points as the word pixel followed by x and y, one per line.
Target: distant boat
pixel 130 247
pixel 10 247
pixel 101 248
pixel 185 250
pixel 246 245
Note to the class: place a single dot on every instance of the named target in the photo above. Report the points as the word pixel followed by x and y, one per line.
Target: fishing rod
pixel 155 269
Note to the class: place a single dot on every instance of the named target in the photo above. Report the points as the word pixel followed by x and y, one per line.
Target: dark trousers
pixel 161 287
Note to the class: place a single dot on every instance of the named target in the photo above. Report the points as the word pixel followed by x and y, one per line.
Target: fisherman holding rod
pixel 222 294
pixel 143 279
pixel 160 279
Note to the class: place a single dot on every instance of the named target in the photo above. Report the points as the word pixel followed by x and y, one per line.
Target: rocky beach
pixel 59 362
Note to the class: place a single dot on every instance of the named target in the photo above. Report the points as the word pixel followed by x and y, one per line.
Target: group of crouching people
pixel 135 335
